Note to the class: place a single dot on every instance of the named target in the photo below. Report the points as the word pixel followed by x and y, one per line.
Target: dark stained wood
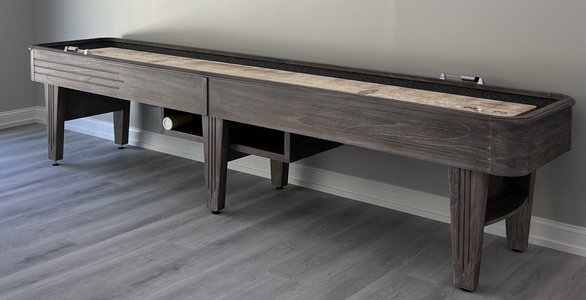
pixel 280 147
pixel 302 147
pixel 380 90
pixel 518 224
pixel 492 155
pixel 444 136
pixel 64 104
pixel 216 149
pixel 518 148
pixel 55 107
pixel 508 196
pixel 79 104
pixel 204 97
pixel 121 120
pixel 456 138
pixel 279 173
pixel 183 50
pixel 504 206
pixel 172 89
pixel 251 140
pixel 478 200
pixel 468 196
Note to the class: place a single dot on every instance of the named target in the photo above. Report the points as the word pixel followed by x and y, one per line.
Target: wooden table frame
pixel 492 160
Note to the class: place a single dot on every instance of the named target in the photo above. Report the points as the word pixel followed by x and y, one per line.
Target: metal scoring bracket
pixel 476 79
pixel 76 49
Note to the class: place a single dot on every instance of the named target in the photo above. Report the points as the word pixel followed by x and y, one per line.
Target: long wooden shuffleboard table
pixel 492 139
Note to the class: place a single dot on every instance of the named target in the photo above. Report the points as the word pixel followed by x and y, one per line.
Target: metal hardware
pixel 476 79
pixel 76 49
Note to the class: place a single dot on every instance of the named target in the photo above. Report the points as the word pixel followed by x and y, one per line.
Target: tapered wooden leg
pixel 216 146
pixel 122 125
pixel 468 199
pixel 519 223
pixel 279 173
pixel 54 103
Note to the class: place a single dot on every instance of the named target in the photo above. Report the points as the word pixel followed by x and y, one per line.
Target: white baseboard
pixel 20 117
pixel 546 233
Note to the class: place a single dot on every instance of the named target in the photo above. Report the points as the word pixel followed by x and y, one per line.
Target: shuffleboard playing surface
pixel 459 102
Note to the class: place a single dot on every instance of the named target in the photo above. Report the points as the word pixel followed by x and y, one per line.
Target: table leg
pixel 54 103
pixel 519 223
pixel 468 199
pixel 121 120
pixel 216 146
pixel 279 174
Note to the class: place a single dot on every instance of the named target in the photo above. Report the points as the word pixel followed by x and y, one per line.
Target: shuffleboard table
pixel 492 139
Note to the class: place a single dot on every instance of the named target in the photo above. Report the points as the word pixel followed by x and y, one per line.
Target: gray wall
pixel 529 44
pixel 17 32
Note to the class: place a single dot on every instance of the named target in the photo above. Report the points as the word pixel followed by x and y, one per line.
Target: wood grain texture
pixel 494 145
pixel 158 87
pixel 517 225
pixel 521 147
pixel 451 138
pixel 216 149
pixel 110 226
pixel 471 136
pixel 468 196
pixel 321 106
pixel 55 106
pixel 470 104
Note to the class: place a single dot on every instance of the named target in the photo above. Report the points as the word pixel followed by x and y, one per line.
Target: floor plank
pixel 132 224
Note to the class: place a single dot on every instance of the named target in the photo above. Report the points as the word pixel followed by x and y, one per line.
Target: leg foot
pixel 121 147
pixel 215 212
pixel 55 164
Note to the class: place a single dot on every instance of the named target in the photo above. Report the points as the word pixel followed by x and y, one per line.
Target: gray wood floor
pixel 132 224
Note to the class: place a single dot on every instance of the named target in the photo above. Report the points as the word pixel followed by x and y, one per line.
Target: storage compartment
pixel 249 139
pixel 191 130
pixel 258 141
pixel 275 144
